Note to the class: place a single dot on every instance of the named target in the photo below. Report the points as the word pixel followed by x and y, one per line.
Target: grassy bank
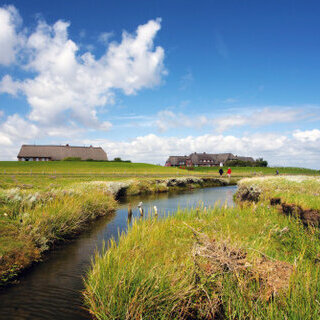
pixel 299 190
pixel 210 263
pixel 31 221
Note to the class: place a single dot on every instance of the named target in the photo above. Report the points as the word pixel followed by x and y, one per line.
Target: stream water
pixel 52 289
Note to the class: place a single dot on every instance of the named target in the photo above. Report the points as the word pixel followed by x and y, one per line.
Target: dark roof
pixel 203 158
pixel 223 157
pixel 244 158
pixel 198 158
pixel 174 160
pixel 61 152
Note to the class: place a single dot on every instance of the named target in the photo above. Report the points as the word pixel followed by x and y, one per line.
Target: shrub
pixel 71 159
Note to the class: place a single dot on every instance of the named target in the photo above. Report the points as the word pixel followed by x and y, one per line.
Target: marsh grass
pixel 152 273
pixel 299 190
pixel 31 222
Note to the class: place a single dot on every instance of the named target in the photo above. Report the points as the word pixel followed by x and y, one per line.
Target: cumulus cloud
pixel 308 135
pixel 276 148
pixel 7 85
pixel 15 131
pixel 66 81
pixel 10 39
pixel 16 128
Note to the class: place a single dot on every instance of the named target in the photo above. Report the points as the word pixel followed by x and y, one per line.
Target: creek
pixel 52 288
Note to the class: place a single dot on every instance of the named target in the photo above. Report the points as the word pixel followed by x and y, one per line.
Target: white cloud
pixel 9 38
pixel 277 149
pixel 104 37
pixel 105 126
pixel 65 81
pixel 167 119
pixel 262 117
pixel 307 136
pixel 15 131
pixel 7 85
pixel 16 128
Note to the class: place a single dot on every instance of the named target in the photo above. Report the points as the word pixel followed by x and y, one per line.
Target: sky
pixel 148 79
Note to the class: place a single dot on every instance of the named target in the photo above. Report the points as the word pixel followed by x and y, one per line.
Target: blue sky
pixel 149 79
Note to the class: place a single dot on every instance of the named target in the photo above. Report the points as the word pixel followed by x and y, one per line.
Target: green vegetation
pixel 84 167
pixel 240 163
pixel 58 174
pixel 248 262
pixel 259 171
pixel 299 190
pixel 45 202
pixel 120 160
pixel 30 222
pixel 71 159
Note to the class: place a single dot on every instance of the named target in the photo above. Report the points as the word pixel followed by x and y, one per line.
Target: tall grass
pixel 300 190
pixel 155 273
pixel 31 222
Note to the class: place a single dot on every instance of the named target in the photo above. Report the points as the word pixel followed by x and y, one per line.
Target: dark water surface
pixel 52 288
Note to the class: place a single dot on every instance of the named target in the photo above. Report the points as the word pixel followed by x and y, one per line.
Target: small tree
pixel 261 163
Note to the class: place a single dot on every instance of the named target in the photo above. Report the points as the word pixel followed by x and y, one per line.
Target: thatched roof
pixel 207 158
pixel 62 152
pixel 175 160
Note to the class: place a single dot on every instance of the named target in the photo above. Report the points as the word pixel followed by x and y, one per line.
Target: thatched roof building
pixel 51 153
pixel 204 159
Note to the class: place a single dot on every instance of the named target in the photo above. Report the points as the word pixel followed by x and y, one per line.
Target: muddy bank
pixel 136 187
pixel 248 193
pixel 309 217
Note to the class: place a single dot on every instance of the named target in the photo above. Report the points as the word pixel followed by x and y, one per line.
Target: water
pixel 52 288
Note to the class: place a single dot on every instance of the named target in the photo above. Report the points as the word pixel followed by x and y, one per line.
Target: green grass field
pixel 252 171
pixel 56 174
pixel 83 167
